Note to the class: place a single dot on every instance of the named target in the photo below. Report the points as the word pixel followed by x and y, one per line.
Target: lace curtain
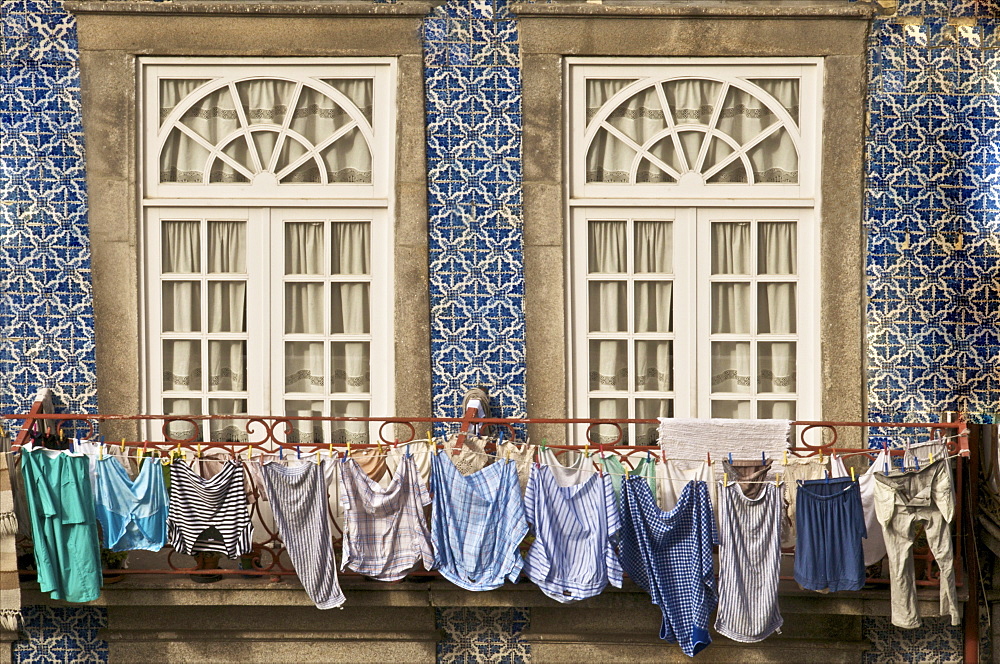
pixel 692 101
pixel 305 364
pixel 266 104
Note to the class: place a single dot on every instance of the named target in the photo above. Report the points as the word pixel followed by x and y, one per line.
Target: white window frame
pixel 689 205
pixel 373 202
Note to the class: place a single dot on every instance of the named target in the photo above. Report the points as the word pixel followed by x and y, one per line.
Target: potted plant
pixel 112 561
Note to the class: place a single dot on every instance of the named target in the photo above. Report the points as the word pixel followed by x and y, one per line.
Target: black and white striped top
pixel 208 515
pixel 749 563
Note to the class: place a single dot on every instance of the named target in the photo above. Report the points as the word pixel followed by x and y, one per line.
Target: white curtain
pixel 731 314
pixel 653 310
pixel 265 103
pixel 693 102
pixel 348 311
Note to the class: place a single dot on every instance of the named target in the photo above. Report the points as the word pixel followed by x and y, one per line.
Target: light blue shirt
pixel 477 523
pixel 572 557
pixel 133 515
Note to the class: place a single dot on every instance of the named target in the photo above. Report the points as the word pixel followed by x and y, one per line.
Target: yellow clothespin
pixel 777 479
pixel 784 458
pixel 178 452
pixel 725 479
pixel 100 451
pixel 331 450
pixel 379 443
pixel 348 448
pixel 249 452
pixel 430 440
pixel 586 450
pixel 852 473
pixel 199 450
pixel 932 457
pixel 138 456
pixel 123 446
pixel 821 456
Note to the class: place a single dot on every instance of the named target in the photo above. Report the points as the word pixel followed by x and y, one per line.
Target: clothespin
pixel 725 479
pixel 430 440
pixel 407 449
pixel 138 456
pixel 827 476
pixel 784 458
pixel 852 473
pixel 916 462
pixel 121 449
pixel 730 458
pixel 281 453
pixel 331 450
pixel 586 449
pixel 708 458
pixel 348 448
pixel 298 452
pixel 316 456
pixel 763 458
pixel 777 479
pixel 932 457
pixel 379 443
pixel 100 451
pixel 199 450
pixel 249 452
pixel 177 452
pixel 821 456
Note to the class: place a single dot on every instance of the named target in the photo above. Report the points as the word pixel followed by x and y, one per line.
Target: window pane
pixel 351 367
pixel 731 248
pixel 607 247
pixel 227 306
pixel 182 365
pixel 317 116
pixel 737 410
pixel 608 365
pixel 691 100
pixel 358 90
pixel 181 306
pixel 227 247
pixel 785 90
pixel 227 361
pixel 351 250
pixel 775 159
pixel 350 309
pixel 609 159
pixel 648 409
pixel 304 248
pixel 654 366
pixel 776 367
pixel 608 409
pixel 348 159
pixel 303 431
pixel 173 90
pixel 777 247
pixel 181 247
pixel 227 430
pixel 654 306
pixel 350 432
pixel 183 430
pixel 730 367
pixel 776 410
pixel 213 117
pixel 265 100
pixel 730 308
pixel 654 247
pixel 304 308
pixel 776 308
pixel 304 367
pixel 608 306
pixel 182 159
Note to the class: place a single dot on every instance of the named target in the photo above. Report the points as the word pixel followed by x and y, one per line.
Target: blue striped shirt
pixel 669 555
pixel 477 523
pixel 572 557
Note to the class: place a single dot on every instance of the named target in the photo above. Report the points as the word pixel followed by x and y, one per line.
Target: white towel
pixel 744 439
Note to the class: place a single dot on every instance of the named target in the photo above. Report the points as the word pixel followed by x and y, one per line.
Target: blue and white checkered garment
pixel 669 554
pixel 477 523
pixel 572 557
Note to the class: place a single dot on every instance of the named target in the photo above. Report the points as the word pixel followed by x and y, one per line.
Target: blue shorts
pixel 830 524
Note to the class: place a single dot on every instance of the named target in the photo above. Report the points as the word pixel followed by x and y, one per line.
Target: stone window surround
pixel 832 29
pixel 113 35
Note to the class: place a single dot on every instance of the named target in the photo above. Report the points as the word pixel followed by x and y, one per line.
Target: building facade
pixel 618 209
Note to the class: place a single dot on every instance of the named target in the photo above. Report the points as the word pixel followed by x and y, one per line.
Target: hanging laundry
pixel 385 535
pixel 902 502
pixel 209 516
pixel 614 469
pixel 572 557
pixel 63 524
pixel 673 475
pixel 298 498
pixel 10 586
pixel 472 457
pixel 132 514
pixel 421 453
pixel 830 524
pixel 209 465
pixel 688 438
pixel 873 545
pixel 521 455
pixel 570 467
pixel 263 515
pixel 646 468
pixel 95 451
pixel 749 562
pixel 372 461
pixel 477 523
pixel 794 469
pixel 750 474
pixel 669 555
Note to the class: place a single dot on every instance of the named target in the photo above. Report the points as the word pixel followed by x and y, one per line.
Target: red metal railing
pixel 277 434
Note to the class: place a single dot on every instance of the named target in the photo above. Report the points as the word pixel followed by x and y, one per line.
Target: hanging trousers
pixel 901 503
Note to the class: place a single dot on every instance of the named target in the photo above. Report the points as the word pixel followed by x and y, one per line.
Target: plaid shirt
pixel 669 554
pixel 385 533
pixel 477 523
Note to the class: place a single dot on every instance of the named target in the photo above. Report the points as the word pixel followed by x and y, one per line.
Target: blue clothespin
pixel 827 476
pixel 916 462
pixel 407 449
pixel 500 437
pixel 730 458
pixel 885 462
pixel 281 453
pixel 298 452
pixel 763 458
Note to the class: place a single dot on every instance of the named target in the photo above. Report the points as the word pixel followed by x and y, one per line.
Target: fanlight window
pixel 692 131
pixel 265 131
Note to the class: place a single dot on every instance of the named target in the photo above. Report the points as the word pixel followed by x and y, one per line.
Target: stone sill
pixel 361 592
pixel 357 8
pixel 679 8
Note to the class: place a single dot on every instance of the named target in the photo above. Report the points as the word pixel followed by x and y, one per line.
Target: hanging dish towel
pixel 693 438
